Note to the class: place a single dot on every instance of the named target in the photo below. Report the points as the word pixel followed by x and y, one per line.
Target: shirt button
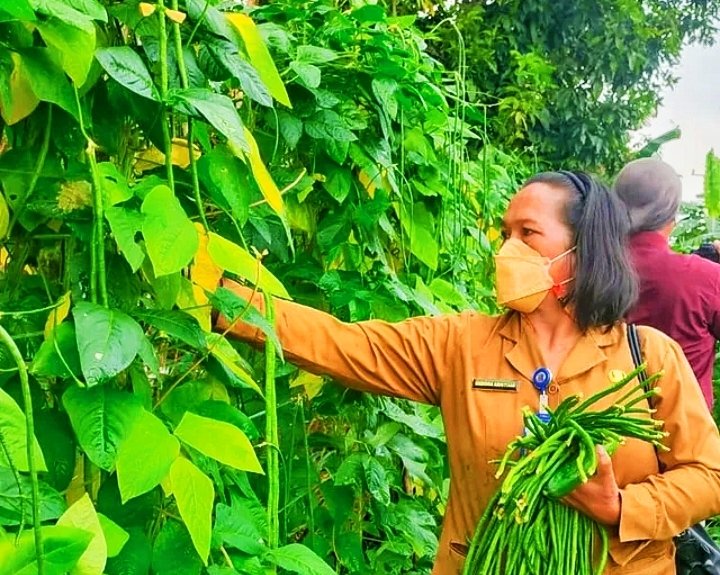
pixel 553 389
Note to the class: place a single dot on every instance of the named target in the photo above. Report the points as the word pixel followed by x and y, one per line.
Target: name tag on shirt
pixel 495 384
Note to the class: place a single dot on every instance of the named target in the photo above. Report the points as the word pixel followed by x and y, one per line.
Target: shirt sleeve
pixel 408 359
pixel 687 490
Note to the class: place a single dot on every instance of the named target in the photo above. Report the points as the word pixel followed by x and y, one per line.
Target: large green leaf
pixel 145 457
pixel 47 81
pixel 227 180
pixel 173 552
pixel 13 437
pixel 82 515
pixel 15 501
pixel 220 440
pixel 250 82
pixel 221 349
pixel 419 225
pixel 220 112
pixel 242 526
pixel 62 547
pixel 102 419
pixel 57 441
pixel 115 536
pixel 231 257
pixel 260 56
pixel 114 184
pixel 376 480
pixel 17 9
pixel 297 558
pixel 177 324
pixel 125 224
pixel 170 237
pixel 73 46
pixel 125 66
pixel 108 340
pixel 194 495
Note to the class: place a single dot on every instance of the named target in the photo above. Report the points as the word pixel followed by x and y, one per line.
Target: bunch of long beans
pixel 525 529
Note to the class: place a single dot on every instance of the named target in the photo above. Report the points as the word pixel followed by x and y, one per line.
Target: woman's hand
pixel 599 498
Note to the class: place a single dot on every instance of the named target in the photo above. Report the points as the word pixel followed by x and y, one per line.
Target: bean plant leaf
pixel 74 47
pixel 135 557
pixel 220 112
pixel 315 55
pixel 242 526
pixel 260 56
pixel 82 515
pixel 291 128
pixel 108 340
pixel 125 224
pixel 102 419
pixel 233 307
pixel 58 354
pixel 114 184
pixel 17 9
pixel 385 90
pixel 17 99
pixel 126 67
pixel 194 495
pixel 177 324
pixel 377 481
pixel 310 74
pixel 170 237
pixel 250 82
pixel 13 437
pixel 16 505
pixel 231 257
pixel 262 176
pixel 297 558
pixel 46 80
pixel 145 457
pixel 115 536
pixel 219 440
pixel 62 547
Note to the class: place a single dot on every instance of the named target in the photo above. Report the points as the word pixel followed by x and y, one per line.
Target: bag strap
pixel 636 352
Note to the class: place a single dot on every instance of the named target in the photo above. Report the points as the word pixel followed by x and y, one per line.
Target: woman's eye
pixel 527 231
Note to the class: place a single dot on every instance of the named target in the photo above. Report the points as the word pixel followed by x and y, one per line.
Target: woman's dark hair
pixel 605 285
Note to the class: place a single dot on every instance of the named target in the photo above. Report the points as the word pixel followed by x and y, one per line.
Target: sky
pixel 693 104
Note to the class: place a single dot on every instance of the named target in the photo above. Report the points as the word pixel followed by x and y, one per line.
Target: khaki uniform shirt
pixel 437 359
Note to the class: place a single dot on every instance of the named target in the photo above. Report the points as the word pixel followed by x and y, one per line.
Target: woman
pixel 565 277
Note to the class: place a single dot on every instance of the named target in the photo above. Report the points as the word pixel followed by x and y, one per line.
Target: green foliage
pixel 568 83
pixel 310 149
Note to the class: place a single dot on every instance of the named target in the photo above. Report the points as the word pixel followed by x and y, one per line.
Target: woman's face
pixel 536 216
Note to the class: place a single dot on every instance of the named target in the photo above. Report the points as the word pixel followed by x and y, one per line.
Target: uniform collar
pixel 524 355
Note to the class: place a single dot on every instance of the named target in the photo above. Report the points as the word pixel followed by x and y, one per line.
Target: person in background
pixel 679 294
pixel 564 276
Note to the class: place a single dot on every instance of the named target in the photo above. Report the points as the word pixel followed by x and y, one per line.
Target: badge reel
pixel 541 379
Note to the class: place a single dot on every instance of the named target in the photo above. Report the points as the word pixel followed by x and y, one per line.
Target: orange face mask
pixel 522 276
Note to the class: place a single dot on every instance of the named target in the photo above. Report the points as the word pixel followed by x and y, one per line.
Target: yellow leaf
pixel 204 272
pixel 19 100
pixel 264 180
pixel 152 157
pixel 58 315
pixel 147 9
pixel 4 217
pixel 493 234
pixel 175 16
pixel 82 515
pixel 186 301
pixel 313 384
pixel 259 56
pixel 367 183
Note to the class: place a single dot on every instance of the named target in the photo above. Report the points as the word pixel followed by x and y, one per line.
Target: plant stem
pixel 30 432
pixel 271 433
pixel 98 276
pixel 165 117
pixel 42 155
pixel 190 140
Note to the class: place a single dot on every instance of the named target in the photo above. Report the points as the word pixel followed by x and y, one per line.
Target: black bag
pixel 695 552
